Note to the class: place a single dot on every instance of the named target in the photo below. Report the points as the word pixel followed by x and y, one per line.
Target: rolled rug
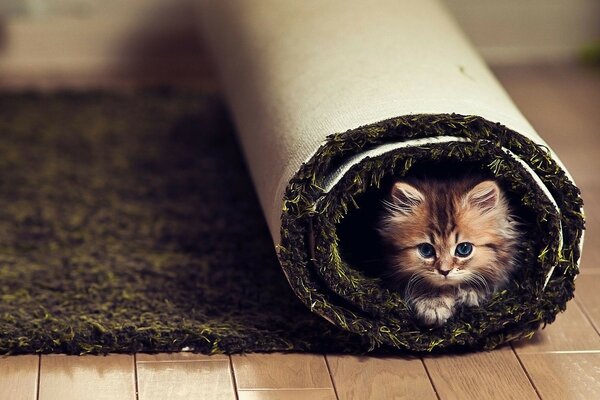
pixel 334 100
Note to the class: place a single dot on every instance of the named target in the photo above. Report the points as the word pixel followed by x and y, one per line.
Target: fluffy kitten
pixel 452 243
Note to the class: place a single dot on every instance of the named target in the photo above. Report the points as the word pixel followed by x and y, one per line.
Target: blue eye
pixel 426 250
pixel 464 249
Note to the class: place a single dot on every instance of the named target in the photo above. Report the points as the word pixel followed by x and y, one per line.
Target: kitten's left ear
pixel 485 196
pixel 406 198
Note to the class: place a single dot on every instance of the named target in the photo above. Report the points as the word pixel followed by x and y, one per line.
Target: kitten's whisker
pixel 414 286
pixel 482 282
pixel 476 281
pixel 409 285
pixel 395 207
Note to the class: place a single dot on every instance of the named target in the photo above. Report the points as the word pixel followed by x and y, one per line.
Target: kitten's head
pixel 449 233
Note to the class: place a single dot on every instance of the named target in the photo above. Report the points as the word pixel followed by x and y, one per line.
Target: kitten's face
pixel 446 234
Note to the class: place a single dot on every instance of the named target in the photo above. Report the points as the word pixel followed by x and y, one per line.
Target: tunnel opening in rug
pixel 361 245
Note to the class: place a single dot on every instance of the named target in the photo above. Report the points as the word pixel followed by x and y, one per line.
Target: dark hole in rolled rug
pixel 346 235
pixel 361 245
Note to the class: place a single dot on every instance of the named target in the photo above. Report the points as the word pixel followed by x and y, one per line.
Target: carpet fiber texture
pixel 129 223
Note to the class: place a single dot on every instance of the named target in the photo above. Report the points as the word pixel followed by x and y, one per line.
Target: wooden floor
pixel 561 362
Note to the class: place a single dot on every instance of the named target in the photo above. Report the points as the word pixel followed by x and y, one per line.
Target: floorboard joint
pixel 233 381
pixel 180 361
pixel 430 380
pixel 308 389
pixel 331 377
pixel 39 374
pixel 537 392
pixel 564 352
pixel 135 374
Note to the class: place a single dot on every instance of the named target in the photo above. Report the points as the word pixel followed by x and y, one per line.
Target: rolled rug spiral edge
pixel 548 285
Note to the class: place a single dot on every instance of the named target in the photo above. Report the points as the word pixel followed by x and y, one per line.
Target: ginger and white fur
pixel 445 214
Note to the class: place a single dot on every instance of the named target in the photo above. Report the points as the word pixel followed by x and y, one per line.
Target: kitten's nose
pixel 444 272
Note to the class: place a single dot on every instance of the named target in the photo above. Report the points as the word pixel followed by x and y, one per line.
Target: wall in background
pixel 89 38
pixel 526 31
pixel 159 37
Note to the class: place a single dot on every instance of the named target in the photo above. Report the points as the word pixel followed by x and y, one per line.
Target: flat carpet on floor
pixel 129 223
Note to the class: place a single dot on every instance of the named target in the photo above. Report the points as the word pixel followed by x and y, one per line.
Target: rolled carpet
pixel 331 101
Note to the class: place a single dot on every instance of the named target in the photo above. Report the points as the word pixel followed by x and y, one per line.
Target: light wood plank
pixel 492 375
pixel 564 376
pixel 357 377
pixel 580 88
pixel 588 295
pixel 590 259
pixel 19 377
pixel 281 371
pixel 178 357
pixel 560 111
pixel 561 100
pixel 591 246
pixel 287 394
pixel 184 376
pixel 109 377
pixel 591 197
pixel 570 332
pixel 590 256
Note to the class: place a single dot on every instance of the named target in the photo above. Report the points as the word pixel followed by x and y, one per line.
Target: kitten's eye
pixel 464 249
pixel 426 250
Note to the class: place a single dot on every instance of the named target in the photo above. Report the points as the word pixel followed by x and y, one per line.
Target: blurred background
pixel 50 43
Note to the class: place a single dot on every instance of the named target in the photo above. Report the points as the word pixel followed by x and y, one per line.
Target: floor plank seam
pixel 233 379
pixel 435 390
pixel 135 374
pixel 39 378
pixel 283 388
pixel 526 372
pixel 527 353
pixel 331 377
pixel 179 361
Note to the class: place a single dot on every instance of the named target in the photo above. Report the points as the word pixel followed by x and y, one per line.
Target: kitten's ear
pixel 485 196
pixel 406 197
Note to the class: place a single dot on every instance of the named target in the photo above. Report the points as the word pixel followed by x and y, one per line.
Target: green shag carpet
pixel 129 223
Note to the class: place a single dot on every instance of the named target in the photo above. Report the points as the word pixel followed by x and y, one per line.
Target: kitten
pixel 452 243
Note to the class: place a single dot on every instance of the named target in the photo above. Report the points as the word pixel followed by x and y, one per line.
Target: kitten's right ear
pixel 485 196
pixel 405 197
